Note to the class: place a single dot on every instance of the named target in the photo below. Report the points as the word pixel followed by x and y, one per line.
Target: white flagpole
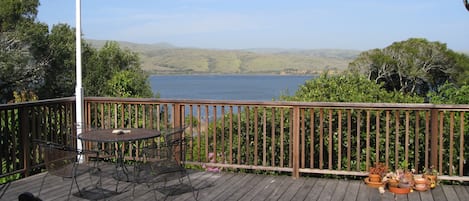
pixel 78 89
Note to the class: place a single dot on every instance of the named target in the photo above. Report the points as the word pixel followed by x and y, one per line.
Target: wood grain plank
pixel 363 192
pixel 317 189
pixel 258 188
pixel 450 193
pixel 281 188
pixel 304 190
pixel 235 186
pixel 413 196
pixel 328 190
pixel 221 184
pixel 438 194
pixel 462 192
pixel 246 187
pixel 341 191
pixel 352 190
pixel 272 186
pixel 200 181
pixel 426 196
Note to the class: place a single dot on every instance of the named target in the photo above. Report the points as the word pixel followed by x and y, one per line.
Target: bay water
pixel 226 87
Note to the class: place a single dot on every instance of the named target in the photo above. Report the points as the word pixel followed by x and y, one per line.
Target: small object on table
pixel 120 131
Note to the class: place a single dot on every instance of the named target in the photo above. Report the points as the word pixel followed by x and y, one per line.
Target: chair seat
pixel 160 171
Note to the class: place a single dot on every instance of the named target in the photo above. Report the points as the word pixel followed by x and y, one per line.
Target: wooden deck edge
pixel 335 172
pixel 252 167
pixel 454 178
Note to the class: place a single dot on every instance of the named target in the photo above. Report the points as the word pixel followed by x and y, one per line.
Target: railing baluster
pixel 451 142
pixel 461 145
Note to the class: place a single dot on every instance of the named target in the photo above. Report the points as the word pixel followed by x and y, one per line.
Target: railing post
pixel 434 138
pixel 178 112
pixel 296 142
pixel 24 126
pixel 177 115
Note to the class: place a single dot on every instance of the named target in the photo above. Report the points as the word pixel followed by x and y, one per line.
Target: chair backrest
pixel 177 142
pixel 59 159
pixel 171 148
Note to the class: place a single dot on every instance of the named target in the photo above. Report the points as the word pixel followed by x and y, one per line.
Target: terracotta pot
pixel 375 177
pixel 430 177
pixel 373 184
pixel 393 183
pixel 421 180
pixel 404 185
pixel 421 187
pixel 432 180
pixel 399 190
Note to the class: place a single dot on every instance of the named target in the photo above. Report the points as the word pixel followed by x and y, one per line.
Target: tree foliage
pixel 414 66
pixel 106 67
pixel 449 93
pixel 347 88
pixel 20 61
pixel 59 79
pixel 14 13
pixel 129 83
pixel 37 61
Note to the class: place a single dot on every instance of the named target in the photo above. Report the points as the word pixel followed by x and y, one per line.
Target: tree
pixel 462 66
pixel 13 13
pixel 449 93
pixel 59 79
pixel 21 43
pixel 129 83
pixel 348 88
pixel 414 66
pixel 107 66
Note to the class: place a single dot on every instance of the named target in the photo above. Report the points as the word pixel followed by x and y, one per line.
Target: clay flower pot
pixel 393 183
pixel 399 190
pixel 374 177
pixel 432 179
pixel 404 185
pixel 421 184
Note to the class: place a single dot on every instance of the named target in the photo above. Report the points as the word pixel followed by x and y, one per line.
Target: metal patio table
pixel 122 136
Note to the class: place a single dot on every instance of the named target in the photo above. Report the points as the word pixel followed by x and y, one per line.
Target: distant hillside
pixel 167 59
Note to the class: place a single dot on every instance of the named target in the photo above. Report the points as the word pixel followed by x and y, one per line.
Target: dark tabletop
pixel 126 135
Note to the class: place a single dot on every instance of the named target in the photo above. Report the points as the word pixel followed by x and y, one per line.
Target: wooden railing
pixel 20 123
pixel 290 137
pixel 297 137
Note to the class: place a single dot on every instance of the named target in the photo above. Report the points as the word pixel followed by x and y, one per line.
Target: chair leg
pixel 71 187
pixel 76 182
pixel 99 183
pixel 42 184
pixel 192 187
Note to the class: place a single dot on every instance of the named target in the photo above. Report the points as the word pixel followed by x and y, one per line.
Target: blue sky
pixel 240 24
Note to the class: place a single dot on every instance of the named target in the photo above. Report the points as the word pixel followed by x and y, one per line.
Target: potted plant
pixel 431 174
pixel 391 179
pixel 377 172
pixel 421 183
pixel 402 180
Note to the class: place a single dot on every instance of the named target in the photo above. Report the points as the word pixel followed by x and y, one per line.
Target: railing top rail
pixel 36 103
pixel 348 105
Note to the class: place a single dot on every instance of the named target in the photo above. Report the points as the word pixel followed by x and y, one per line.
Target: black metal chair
pixel 164 161
pixel 64 161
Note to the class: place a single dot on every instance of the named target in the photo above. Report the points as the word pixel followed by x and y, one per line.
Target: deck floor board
pixel 230 186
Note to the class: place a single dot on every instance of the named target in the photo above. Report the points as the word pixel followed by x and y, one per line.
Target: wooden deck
pixel 233 186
